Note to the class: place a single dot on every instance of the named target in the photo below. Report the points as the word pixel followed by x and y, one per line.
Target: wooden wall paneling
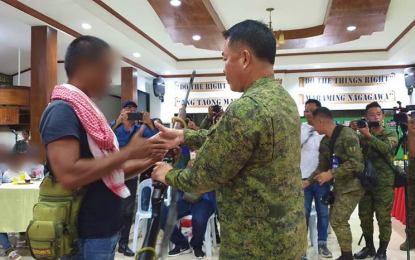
pixel 14 96
pixel 129 84
pixel 9 115
pixel 44 76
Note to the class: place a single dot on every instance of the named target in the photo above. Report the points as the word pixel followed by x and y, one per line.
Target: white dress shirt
pixel 310 142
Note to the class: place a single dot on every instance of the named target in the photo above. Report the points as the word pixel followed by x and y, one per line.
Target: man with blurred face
pixel 250 157
pixel 82 150
pixel 310 144
pixel 338 165
pixel 378 144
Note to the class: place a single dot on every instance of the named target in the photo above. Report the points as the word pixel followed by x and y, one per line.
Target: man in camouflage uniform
pixel 251 156
pixel 378 145
pixel 347 188
pixel 411 185
pixel 211 118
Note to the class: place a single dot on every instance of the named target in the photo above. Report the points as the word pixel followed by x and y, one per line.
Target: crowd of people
pixel 21 160
pixel 243 165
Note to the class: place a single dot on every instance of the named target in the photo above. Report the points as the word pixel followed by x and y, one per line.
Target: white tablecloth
pixel 16 206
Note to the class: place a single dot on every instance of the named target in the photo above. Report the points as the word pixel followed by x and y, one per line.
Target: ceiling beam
pixel 53 23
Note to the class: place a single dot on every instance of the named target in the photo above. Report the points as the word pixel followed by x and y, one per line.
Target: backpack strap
pixel 334 137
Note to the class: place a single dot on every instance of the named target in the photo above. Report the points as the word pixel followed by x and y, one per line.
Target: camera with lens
pixel 401 117
pixel 362 123
pixel 328 198
pixel 216 108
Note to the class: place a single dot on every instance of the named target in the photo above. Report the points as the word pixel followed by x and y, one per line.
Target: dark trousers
pixel 129 210
pixel 200 212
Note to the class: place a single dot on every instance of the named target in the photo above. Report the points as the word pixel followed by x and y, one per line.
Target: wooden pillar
pixel 129 84
pixel 44 76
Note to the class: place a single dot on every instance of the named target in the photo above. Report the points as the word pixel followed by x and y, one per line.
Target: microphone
pixel 14 131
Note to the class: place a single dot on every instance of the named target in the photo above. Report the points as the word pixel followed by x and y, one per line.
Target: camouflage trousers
pixel 379 201
pixel 340 213
pixel 260 239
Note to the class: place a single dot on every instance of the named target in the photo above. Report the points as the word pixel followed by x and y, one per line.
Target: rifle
pixel 148 251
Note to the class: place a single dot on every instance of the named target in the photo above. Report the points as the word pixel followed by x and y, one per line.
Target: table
pixel 398 210
pixel 16 206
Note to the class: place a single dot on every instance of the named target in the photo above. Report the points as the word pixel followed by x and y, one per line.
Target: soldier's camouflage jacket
pixel 347 149
pixel 251 157
pixel 377 149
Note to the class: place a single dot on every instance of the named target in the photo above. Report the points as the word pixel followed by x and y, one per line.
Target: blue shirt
pixel 102 211
pixel 124 137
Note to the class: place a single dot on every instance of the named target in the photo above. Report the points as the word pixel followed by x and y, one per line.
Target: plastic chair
pixel 141 214
pixel 312 225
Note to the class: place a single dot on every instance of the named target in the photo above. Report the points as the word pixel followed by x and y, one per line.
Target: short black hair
pixel 26 131
pixel 84 47
pixel 313 101
pixel 255 35
pixel 371 105
pixel 323 112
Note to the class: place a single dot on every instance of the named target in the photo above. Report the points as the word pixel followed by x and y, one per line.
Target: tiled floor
pixel 393 253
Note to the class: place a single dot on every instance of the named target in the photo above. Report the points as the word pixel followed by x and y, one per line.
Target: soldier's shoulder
pixel 246 105
pixel 390 132
pixel 349 133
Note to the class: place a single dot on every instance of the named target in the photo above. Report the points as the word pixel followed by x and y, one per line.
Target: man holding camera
pixel 215 112
pixel 339 166
pixel 378 146
pixel 124 128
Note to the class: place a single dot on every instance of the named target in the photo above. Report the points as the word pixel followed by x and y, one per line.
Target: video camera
pixel 401 117
pixel 362 123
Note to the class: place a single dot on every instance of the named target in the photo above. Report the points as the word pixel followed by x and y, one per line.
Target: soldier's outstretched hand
pixel 160 172
pixel 172 137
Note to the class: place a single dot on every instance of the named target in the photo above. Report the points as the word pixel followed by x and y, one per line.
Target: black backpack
pixel 369 177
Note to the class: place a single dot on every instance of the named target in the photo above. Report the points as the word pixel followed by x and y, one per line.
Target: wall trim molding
pixel 299 71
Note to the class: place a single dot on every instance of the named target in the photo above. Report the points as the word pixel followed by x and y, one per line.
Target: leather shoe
pixel 124 249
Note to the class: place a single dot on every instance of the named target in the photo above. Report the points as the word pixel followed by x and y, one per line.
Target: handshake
pixel 156 147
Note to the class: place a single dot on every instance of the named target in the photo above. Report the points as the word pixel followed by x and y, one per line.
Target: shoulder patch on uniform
pixel 352 149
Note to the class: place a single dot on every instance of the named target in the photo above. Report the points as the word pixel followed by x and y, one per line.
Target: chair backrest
pixel 148 183
pixel 168 200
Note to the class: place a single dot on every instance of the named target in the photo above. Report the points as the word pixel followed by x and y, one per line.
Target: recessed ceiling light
pixel 167 72
pixel 196 37
pixel 136 54
pixel 317 66
pixel 86 26
pixel 351 28
pixel 175 2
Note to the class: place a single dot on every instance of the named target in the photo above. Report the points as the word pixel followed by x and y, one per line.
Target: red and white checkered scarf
pixel 101 139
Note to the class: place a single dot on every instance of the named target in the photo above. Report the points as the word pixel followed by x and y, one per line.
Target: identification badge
pixel 335 162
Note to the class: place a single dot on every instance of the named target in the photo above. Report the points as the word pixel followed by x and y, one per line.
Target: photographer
pixel 340 164
pixel 213 116
pixel 378 146
pixel 124 129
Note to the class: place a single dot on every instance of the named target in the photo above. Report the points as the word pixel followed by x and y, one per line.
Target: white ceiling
pixel 295 14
